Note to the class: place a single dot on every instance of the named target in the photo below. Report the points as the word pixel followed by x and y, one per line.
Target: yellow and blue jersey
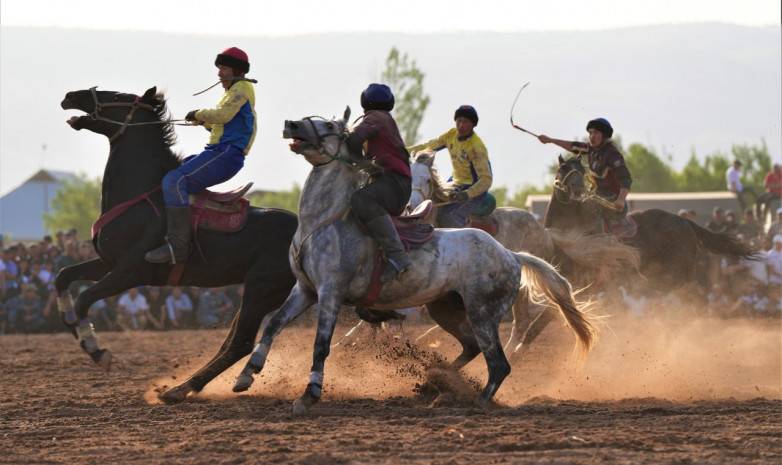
pixel 233 121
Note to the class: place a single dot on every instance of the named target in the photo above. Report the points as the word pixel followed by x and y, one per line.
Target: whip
pixel 511 113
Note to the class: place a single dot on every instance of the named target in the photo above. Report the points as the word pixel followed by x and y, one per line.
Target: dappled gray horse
pixel 465 277
pixel 582 257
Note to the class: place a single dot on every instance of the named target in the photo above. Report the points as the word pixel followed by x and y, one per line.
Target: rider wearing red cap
pixel 232 125
pixel 605 162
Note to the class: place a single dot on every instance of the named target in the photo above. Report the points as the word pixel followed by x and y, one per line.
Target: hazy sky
pixel 273 18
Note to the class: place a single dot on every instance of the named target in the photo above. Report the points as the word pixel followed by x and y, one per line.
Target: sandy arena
pixel 654 391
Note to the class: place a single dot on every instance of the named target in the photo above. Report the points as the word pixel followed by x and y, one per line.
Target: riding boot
pixel 177 246
pixel 385 233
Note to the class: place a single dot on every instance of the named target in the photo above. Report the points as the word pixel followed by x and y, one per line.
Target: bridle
pixel 322 137
pixel 135 105
pixel 561 188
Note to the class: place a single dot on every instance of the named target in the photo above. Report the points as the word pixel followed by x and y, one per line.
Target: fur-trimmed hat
pixel 377 97
pixel 602 125
pixel 233 58
pixel 467 111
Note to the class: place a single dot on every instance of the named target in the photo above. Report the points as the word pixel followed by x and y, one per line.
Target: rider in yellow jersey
pixel 472 176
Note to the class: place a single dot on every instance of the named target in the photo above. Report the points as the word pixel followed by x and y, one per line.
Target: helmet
pixel 377 97
pixel 467 111
pixel 233 58
pixel 602 125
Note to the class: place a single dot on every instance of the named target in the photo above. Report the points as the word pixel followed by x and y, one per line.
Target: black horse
pixel 141 135
pixel 667 243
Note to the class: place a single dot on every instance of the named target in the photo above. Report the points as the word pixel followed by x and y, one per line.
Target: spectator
pixel 717 302
pixel 157 308
pixel 717 221
pixel 774 262
pixel 179 309
pixel 214 307
pixel 733 178
pixel 731 224
pixel 750 228
pixel 10 273
pixel 773 184
pixel 25 311
pixel 775 228
pixel 132 311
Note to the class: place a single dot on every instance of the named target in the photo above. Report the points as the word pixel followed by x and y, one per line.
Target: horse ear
pixel 561 160
pixel 579 158
pixel 346 116
pixel 149 94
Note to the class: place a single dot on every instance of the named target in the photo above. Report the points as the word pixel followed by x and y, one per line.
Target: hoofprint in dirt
pixel 653 392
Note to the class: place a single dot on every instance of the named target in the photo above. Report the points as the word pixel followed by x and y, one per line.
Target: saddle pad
pixel 222 220
pixel 414 235
pixel 624 229
pixel 485 223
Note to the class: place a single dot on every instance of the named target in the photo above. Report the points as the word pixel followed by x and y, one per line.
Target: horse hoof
pixel 243 382
pixel 300 407
pixel 175 395
pixel 105 360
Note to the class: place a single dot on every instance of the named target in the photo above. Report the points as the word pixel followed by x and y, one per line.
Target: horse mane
pixel 162 114
pixel 440 188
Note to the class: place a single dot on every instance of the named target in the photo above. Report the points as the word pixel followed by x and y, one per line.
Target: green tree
pixel 75 205
pixel 650 173
pixel 286 200
pixel 406 82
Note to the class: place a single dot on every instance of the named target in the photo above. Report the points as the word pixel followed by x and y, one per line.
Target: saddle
pixel 220 211
pixel 411 231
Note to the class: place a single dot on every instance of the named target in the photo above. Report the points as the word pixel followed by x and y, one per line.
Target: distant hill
pixel 676 89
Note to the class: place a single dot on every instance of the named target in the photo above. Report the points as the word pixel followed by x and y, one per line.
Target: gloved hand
pixel 459 196
pixel 191 116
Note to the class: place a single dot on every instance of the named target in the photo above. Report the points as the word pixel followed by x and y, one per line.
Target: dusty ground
pixel 653 391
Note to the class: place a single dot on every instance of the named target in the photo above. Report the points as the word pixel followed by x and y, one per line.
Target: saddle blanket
pixel 624 229
pixel 208 215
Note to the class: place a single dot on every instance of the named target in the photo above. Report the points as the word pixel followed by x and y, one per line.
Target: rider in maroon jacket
pixel 390 189
pixel 605 162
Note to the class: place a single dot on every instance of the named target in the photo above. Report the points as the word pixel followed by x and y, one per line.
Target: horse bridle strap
pixel 133 107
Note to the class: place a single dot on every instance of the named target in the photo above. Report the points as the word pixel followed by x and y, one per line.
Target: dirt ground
pixel 667 390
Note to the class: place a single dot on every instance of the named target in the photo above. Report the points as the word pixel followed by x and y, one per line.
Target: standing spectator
pixel 132 311
pixel 733 178
pixel 213 306
pixel 10 274
pixel 774 262
pixel 25 311
pixel 773 184
pixel 179 308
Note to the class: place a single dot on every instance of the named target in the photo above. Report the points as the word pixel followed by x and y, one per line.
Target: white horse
pixel 583 258
pixel 467 280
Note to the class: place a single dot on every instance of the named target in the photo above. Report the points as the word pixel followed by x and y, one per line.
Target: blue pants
pixel 454 215
pixel 216 164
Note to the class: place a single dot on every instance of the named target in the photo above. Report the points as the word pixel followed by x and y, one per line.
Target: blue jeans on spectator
pixel 216 164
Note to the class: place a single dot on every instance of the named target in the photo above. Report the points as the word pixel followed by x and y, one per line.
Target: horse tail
pixel 544 281
pixel 723 244
pixel 598 251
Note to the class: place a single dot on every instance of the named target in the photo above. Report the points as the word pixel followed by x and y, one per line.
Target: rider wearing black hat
pixel 390 188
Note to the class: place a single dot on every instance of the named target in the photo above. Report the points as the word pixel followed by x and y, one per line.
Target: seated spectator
pixel 750 228
pixel 214 308
pixel 773 261
pixel 717 221
pixel 731 224
pixel 157 308
pixel 775 228
pixel 717 302
pixel 25 311
pixel 132 311
pixel 179 309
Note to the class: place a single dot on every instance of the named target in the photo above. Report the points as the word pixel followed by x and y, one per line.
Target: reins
pixel 135 105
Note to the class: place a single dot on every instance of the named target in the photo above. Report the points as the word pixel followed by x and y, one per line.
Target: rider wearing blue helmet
pixel 389 191
pixel 605 162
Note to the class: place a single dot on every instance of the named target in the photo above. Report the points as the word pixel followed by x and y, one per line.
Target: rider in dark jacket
pixel 390 189
pixel 606 163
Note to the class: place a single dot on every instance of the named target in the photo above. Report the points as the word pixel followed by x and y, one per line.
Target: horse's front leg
pixel 91 270
pixel 111 283
pixel 299 300
pixel 328 309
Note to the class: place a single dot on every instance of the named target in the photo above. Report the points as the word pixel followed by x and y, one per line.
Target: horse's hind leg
pixel 449 313
pixel 521 321
pixel 485 326
pixel 261 297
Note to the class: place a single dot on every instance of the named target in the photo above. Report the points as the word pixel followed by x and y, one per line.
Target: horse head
pixel 571 182
pixel 425 180
pixel 110 113
pixel 319 140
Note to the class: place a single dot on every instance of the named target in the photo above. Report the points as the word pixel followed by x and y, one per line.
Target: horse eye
pixel 329 126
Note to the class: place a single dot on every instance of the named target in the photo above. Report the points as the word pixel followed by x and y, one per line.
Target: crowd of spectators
pixel 28 299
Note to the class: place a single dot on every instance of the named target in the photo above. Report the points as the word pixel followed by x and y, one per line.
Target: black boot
pixel 385 233
pixel 177 246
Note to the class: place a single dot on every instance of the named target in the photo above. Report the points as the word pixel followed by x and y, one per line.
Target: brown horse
pixel 668 243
